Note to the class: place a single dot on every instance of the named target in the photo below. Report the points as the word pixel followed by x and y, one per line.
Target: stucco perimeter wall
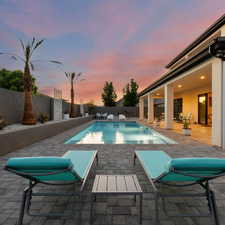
pixel 127 111
pixel 11 105
pixel 11 141
pixel 190 100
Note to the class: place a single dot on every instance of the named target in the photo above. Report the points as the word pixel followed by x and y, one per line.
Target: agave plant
pixel 28 50
pixel 72 77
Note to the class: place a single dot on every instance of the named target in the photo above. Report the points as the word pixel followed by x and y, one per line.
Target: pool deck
pixel 114 159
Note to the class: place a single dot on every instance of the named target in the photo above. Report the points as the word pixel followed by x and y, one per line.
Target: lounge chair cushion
pixel 77 163
pixel 197 164
pixel 159 166
pixel 39 163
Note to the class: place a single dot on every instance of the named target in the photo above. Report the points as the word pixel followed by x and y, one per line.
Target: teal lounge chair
pixel 70 169
pixel 181 172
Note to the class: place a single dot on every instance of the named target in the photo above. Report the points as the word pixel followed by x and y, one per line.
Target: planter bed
pixel 22 136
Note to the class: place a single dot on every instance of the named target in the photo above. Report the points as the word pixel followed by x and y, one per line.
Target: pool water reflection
pixel 104 132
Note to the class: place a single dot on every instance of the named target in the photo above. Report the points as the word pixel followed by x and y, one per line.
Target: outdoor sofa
pixel 72 168
pixel 161 169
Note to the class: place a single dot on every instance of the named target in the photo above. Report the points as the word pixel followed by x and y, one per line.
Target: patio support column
pixel 150 108
pixel 141 108
pixel 218 103
pixel 168 90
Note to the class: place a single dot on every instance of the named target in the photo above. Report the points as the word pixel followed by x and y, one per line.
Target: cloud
pixel 129 38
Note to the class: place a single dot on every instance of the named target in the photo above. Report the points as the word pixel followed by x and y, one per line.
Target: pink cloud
pixel 111 25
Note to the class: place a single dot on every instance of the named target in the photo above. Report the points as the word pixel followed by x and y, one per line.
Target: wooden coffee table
pixel 117 185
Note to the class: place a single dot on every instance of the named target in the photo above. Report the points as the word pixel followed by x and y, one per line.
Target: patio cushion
pixel 39 163
pixel 78 163
pixel 159 166
pixel 198 164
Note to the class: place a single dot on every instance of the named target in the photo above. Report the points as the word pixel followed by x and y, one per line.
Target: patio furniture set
pixel 106 116
pixel 74 167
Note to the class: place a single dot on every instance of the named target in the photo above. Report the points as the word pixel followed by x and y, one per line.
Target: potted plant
pixel 186 127
pixel 43 118
pixel 2 123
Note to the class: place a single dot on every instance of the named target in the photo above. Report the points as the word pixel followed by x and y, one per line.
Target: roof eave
pixel 218 24
pixel 199 58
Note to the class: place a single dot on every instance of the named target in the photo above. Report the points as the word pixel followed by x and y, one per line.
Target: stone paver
pixel 114 159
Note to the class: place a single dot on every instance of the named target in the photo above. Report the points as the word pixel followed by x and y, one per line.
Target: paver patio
pixel 114 159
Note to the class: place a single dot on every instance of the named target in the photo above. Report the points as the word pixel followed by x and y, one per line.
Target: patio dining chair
pixel 70 169
pixel 104 116
pixel 98 116
pixel 110 117
pixel 161 169
pixel 122 117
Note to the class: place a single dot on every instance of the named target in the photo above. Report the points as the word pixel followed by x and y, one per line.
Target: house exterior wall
pixel 190 101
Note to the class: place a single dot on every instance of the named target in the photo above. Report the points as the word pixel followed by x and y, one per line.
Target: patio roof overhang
pixel 196 60
pixel 213 28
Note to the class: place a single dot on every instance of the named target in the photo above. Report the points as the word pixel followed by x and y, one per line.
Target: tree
pixel 73 77
pixel 28 50
pixel 13 80
pixel 109 95
pixel 130 95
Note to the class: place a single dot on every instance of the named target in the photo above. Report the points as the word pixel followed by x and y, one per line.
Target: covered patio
pixel 193 88
pixel 191 96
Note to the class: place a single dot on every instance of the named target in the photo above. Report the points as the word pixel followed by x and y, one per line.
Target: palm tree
pixel 28 50
pixel 72 77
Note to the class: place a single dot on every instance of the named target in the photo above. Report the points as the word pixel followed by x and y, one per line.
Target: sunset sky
pixel 107 40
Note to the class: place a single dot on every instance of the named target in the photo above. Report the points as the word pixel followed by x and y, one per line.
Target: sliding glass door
pixel 203 109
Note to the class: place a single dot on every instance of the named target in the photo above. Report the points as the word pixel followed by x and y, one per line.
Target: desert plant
pixel 43 117
pixel 186 122
pixel 72 77
pixel 28 50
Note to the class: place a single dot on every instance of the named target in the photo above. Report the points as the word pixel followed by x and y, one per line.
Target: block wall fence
pixel 11 107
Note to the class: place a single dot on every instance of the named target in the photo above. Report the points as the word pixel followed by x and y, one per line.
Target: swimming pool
pixel 103 132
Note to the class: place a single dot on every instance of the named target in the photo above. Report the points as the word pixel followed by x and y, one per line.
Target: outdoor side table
pixel 116 185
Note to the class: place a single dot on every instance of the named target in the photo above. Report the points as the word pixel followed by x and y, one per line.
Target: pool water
pixel 103 132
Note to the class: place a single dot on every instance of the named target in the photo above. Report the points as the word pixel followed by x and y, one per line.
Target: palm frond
pixel 38 44
pixel 33 40
pixel 54 61
pixel 14 57
pixel 32 66
pixel 22 44
pixel 67 74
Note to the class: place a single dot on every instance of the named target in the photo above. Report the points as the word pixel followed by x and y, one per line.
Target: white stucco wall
pixel 190 100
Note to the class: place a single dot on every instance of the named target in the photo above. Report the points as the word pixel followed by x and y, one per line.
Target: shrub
pixel 2 123
pixel 43 118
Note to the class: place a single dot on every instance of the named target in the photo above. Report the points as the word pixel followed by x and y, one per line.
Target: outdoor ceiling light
pixel 179 86
pixel 202 77
pixel 217 48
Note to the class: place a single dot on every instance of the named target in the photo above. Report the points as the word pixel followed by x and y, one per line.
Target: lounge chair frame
pixel 204 184
pixel 28 191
